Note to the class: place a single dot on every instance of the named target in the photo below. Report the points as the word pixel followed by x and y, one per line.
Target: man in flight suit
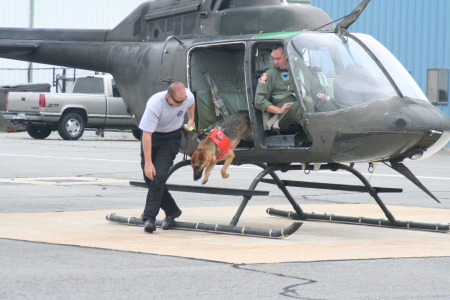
pixel 275 92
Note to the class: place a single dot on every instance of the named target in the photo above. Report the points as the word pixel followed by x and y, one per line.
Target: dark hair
pixel 277 46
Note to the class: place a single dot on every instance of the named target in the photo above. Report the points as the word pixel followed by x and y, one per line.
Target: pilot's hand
pixel 321 96
pixel 150 170
pixel 285 106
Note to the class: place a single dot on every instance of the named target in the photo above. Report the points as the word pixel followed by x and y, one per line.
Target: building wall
pixel 417 32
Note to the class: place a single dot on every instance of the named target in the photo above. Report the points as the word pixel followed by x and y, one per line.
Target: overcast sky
pixel 88 14
pixel 98 14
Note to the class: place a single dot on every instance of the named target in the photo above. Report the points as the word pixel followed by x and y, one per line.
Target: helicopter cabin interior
pixel 218 71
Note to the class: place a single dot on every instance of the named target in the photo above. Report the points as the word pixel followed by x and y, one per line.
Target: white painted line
pixel 82 158
pixel 62 180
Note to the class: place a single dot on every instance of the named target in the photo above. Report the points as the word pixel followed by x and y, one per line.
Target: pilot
pixel 275 93
pixel 327 103
pixel 161 138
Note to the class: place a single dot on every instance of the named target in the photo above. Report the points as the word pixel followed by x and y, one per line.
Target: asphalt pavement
pixel 47 184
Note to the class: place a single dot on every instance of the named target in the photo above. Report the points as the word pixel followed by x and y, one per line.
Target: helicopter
pixel 219 49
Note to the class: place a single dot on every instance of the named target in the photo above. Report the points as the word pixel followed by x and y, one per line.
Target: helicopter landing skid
pixel 270 233
pixel 299 214
pixel 215 228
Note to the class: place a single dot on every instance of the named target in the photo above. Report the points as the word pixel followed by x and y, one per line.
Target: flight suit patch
pixel 285 76
pixel 264 78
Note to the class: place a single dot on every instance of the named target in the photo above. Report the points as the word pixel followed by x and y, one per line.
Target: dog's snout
pixel 198 172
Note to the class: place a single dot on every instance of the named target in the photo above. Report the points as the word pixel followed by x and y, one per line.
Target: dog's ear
pixel 194 157
pixel 204 158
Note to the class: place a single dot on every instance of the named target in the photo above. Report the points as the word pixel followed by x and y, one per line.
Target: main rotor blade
pixel 402 169
pixel 352 17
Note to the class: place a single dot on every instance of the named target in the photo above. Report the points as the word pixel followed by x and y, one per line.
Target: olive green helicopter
pixel 219 49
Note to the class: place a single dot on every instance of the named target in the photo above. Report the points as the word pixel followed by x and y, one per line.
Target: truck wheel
pixel 137 133
pixel 71 126
pixel 39 131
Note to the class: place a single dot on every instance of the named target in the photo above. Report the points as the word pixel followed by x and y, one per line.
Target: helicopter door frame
pixel 224 64
pixel 291 134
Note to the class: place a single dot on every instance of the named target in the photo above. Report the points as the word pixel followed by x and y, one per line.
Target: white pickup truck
pixel 94 103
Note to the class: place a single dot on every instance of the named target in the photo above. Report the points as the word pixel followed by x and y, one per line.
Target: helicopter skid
pixel 358 220
pixel 299 214
pixel 217 228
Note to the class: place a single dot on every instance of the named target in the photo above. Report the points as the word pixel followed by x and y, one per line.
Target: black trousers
pixel 165 147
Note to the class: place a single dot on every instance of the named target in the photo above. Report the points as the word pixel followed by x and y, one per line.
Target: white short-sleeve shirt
pixel 159 116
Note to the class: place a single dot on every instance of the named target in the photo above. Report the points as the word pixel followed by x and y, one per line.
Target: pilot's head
pixel 279 59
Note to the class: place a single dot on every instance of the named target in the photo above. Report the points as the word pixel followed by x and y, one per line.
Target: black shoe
pixel 167 223
pixel 149 226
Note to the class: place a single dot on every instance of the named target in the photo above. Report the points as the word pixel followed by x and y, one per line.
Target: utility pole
pixel 30 72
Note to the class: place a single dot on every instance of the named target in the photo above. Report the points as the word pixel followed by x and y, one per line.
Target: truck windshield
pixel 89 85
pixel 343 71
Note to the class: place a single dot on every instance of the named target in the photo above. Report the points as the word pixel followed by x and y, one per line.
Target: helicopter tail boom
pixel 65 47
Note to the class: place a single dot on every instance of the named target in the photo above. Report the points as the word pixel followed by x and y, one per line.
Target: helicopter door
pixel 172 56
pixel 275 131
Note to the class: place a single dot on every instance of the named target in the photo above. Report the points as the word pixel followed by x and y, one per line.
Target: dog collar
pixel 220 139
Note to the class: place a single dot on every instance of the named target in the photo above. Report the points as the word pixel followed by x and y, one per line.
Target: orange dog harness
pixel 221 141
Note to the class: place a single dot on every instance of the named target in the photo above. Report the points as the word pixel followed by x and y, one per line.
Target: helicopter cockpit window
pixel 344 72
pixel 402 77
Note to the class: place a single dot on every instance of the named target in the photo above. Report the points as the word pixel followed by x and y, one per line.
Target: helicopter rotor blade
pixel 352 17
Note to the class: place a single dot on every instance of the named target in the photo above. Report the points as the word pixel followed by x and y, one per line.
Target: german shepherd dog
pixel 208 153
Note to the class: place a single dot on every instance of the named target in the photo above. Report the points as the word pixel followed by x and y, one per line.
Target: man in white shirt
pixel 161 137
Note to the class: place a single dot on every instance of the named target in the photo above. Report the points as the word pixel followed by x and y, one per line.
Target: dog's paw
pixel 204 181
pixel 224 176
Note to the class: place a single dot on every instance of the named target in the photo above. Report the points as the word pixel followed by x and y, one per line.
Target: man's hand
pixel 285 106
pixel 189 126
pixel 278 110
pixel 321 97
pixel 149 170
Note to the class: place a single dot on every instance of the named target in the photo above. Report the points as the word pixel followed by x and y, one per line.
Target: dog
pixel 219 145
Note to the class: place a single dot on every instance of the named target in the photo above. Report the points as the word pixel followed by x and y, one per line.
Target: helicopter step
pixel 330 186
pixel 206 189
pixel 270 233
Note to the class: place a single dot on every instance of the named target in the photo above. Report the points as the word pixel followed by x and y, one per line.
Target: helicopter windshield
pixel 334 72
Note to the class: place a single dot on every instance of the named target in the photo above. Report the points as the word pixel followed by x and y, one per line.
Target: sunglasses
pixel 178 101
